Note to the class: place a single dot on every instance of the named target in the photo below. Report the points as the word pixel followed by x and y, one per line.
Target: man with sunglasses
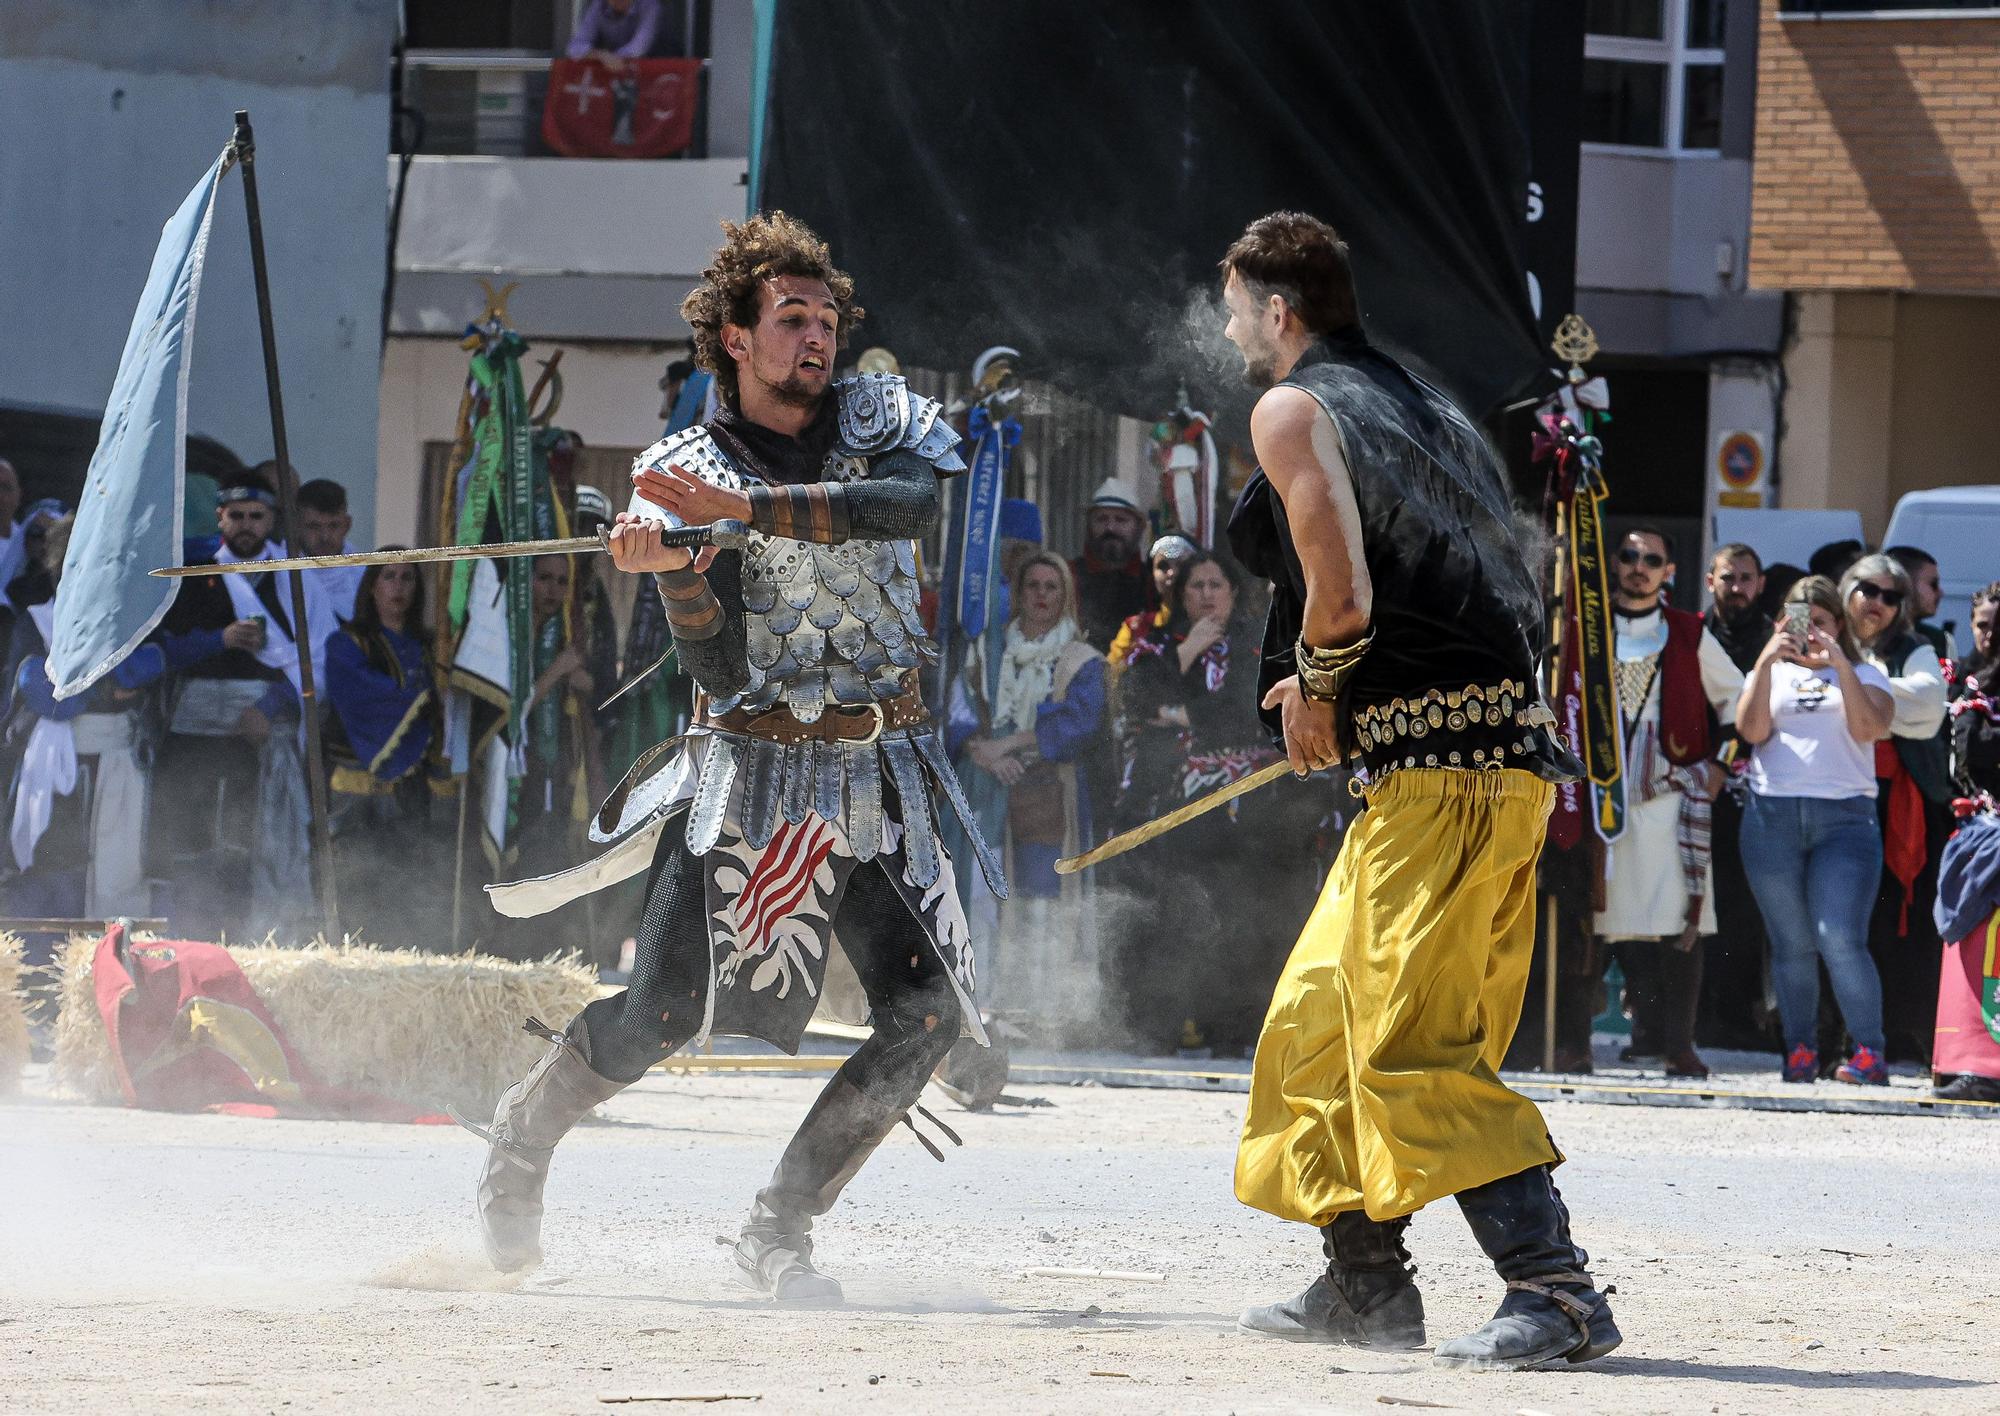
pixel 1675 683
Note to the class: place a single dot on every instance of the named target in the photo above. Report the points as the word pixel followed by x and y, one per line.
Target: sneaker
pixel 1968 1087
pixel 1802 1065
pixel 1865 1068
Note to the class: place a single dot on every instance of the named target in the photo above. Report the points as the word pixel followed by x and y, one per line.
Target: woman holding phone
pixel 1813 711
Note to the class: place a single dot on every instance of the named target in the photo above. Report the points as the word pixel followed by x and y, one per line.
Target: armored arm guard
pixel 898 502
pixel 705 613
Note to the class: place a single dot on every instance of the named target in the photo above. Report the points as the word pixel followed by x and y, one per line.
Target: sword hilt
pixel 727 535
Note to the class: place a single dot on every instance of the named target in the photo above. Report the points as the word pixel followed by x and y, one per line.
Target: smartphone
pixel 1798 621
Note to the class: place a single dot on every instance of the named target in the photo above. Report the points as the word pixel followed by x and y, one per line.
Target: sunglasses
pixel 1652 560
pixel 1869 590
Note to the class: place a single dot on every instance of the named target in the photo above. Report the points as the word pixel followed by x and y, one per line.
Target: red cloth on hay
pixel 188 1032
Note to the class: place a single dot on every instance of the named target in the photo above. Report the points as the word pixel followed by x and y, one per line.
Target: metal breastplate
pixel 829 624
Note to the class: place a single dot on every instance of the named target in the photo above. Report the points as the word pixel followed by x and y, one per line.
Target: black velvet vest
pixel 1456 603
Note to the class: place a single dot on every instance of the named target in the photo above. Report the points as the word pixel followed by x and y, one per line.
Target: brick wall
pixel 1878 155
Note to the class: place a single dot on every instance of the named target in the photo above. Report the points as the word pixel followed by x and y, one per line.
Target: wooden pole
pixel 322 837
pixel 1550 933
pixel 458 862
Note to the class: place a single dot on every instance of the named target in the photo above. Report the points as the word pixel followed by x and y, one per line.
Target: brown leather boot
pixel 774 1252
pixel 535 1113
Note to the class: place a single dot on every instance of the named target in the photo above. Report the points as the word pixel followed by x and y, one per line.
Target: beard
pixel 794 391
pixel 1260 368
pixel 1112 547
pixel 245 544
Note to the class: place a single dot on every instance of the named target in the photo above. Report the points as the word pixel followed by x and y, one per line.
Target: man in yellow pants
pixel 1414 626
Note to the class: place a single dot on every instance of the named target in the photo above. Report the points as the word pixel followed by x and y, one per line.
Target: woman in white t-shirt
pixel 1813 712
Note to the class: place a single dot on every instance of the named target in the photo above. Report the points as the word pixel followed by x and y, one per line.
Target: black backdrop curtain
pixel 1063 177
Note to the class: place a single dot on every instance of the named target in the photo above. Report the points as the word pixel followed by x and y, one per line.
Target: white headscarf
pixel 1028 666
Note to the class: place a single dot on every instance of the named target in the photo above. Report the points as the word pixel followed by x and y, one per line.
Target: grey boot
pixel 774 1252
pixel 535 1113
pixel 1366 1297
pixel 1553 1312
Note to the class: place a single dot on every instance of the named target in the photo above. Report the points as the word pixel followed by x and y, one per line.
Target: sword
pixel 1179 816
pixel 726 535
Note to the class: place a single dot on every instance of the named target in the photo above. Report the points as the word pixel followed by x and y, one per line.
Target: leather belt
pixel 854 725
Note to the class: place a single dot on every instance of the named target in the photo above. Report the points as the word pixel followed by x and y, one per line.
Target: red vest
pixel 1686 734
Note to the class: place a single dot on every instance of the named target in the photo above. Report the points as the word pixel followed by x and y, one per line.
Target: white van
pixel 1961 527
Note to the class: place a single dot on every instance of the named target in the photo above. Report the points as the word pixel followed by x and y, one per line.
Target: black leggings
pixel 913 1007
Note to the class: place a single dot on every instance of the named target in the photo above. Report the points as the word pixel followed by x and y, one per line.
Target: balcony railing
pixel 489 102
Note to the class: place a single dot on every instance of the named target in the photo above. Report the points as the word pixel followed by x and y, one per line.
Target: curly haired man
pixel 806 799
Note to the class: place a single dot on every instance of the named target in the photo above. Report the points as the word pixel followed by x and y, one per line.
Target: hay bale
pixel 13 1016
pixel 426 1029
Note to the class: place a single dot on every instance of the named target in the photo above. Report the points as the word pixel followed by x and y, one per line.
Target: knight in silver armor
pixel 802 807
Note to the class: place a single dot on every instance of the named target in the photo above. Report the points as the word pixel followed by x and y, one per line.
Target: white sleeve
pixel 1721 680
pixel 1918 692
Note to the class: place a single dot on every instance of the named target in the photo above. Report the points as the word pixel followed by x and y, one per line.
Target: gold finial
pixel 1575 342
pixel 878 361
pixel 496 301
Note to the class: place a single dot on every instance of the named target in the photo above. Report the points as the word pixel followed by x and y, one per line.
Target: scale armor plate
pixel 826 626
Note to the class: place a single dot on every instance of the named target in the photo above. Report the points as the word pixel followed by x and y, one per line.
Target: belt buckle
pixel 875 733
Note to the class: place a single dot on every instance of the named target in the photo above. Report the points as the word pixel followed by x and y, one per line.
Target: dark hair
pixel 365 620
pixel 1647 529
pixel 1986 595
pixel 682 369
pixel 751 253
pixel 323 495
pixel 1911 558
pixel 1177 620
pixel 1303 261
pixel 1736 550
pixel 1833 559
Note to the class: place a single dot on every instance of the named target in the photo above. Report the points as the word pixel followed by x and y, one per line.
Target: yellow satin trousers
pixel 1375 1085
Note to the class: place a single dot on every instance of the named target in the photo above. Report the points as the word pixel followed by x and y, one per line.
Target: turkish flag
pixel 647 110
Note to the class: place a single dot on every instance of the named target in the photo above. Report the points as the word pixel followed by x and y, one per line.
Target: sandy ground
pixel 162 1263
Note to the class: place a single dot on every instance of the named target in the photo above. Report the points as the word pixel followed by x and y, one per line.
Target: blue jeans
pixel 1814 866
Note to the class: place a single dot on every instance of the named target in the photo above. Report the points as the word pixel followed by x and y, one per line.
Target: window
pixel 1652 74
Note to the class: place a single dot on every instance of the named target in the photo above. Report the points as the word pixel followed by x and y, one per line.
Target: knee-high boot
pixel 1553 1311
pixel 774 1252
pixel 533 1114
pixel 1366 1298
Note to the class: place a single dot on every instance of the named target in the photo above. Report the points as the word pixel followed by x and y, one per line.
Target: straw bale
pixel 13 1016
pixel 426 1029
pixel 81 1065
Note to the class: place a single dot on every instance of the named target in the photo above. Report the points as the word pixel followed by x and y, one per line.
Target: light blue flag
pixel 128 520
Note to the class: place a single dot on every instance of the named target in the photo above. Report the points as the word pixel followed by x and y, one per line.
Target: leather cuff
pixel 815 512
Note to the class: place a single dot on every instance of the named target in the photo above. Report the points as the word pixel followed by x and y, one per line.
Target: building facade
pixel 1877 212
pixel 1690 349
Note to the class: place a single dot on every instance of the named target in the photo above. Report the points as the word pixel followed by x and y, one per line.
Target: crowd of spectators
pixel 1793 755
pixel 1824 787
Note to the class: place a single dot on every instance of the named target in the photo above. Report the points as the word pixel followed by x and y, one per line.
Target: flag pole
pixel 245 148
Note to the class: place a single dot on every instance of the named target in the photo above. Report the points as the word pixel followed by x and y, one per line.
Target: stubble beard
pixel 1260 368
pixel 794 392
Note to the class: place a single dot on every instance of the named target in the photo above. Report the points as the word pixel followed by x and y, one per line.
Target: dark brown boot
pixel 535 1113
pixel 774 1252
